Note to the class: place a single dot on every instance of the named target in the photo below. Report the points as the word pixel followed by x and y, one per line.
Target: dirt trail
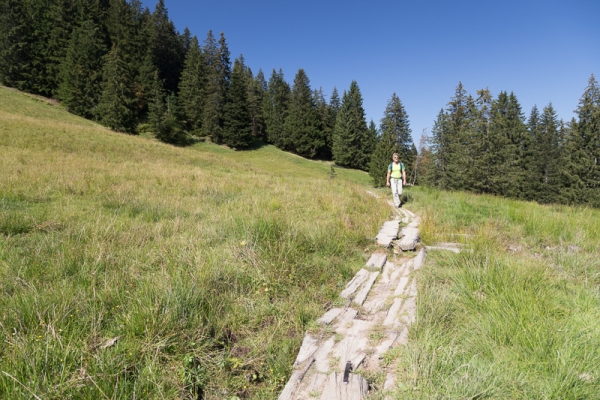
pixel 353 339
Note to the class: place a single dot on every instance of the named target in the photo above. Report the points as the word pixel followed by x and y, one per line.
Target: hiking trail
pixel 381 304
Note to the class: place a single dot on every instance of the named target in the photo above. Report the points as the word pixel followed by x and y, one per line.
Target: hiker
pixel 396 177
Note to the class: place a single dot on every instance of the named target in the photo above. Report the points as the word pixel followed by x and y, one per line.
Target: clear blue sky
pixel 543 51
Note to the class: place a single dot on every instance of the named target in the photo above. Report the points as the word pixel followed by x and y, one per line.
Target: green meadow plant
pixel 134 269
pixel 515 318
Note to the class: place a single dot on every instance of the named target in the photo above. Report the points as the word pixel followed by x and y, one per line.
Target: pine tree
pixel 548 162
pixel 326 121
pixel 395 121
pixel 387 145
pixel 116 107
pixel 302 131
pixel 237 130
pixel 275 107
pixel 81 72
pixel 458 120
pixel 191 87
pixel 581 172
pixel 218 71
pixel 165 47
pixel 352 142
pixel 441 142
pixel 256 92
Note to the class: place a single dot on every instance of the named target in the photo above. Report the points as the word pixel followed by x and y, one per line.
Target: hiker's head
pixel 395 157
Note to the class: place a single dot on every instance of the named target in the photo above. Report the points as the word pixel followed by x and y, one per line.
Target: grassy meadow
pixel 133 269
pixel 518 317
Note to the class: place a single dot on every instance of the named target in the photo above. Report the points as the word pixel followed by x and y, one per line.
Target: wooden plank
pixel 315 385
pixel 330 316
pixel 419 260
pixel 354 283
pixel 391 317
pixel 308 347
pixel 361 296
pixel 335 389
pixel 410 237
pixel 291 387
pixel 322 355
pixel 377 260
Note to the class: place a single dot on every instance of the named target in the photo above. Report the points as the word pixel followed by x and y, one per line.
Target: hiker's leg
pixel 399 192
pixel 394 185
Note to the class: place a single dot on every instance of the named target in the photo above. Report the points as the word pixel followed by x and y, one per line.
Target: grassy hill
pixel 133 269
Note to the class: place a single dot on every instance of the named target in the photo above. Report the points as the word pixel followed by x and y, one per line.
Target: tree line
pixel 486 145
pixel 128 68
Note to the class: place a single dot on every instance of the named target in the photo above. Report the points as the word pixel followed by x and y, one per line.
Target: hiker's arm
pixel 387 179
pixel 404 177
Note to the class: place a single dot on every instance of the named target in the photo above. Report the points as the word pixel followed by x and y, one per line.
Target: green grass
pixel 208 264
pixel 517 318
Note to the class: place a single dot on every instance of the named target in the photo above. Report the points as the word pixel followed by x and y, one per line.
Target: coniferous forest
pixel 130 69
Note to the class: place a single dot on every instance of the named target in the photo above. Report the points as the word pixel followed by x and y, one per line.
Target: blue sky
pixel 543 51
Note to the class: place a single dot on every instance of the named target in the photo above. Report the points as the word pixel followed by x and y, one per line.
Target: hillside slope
pixel 133 269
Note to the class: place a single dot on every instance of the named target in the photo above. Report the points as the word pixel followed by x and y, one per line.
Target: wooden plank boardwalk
pixel 381 306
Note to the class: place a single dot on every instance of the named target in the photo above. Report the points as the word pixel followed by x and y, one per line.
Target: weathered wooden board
pixel 330 316
pixel 354 283
pixel 391 318
pixel 361 295
pixel 419 260
pixel 322 355
pixel 410 238
pixel 377 260
pixel 335 389
pixel 308 347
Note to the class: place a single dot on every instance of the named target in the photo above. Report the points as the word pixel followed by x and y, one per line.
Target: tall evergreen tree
pixel 395 120
pixel 581 172
pixel 237 130
pixel 81 72
pixel 386 146
pixel 548 162
pixel 458 135
pixel 327 123
pixel 192 87
pixel 275 107
pixel 441 141
pixel 352 143
pixel 165 47
pixel 117 105
pixel 218 72
pixel 256 91
pixel 302 129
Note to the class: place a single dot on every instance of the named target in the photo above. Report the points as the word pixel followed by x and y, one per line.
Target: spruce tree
pixel 441 142
pixel 192 87
pixel 352 143
pixel 395 121
pixel 548 162
pixel 581 172
pixel 256 92
pixel 81 71
pixel 387 145
pixel 116 107
pixel 275 107
pixel 218 71
pixel 302 132
pixel 458 134
pixel 326 121
pixel 237 130
pixel 165 47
